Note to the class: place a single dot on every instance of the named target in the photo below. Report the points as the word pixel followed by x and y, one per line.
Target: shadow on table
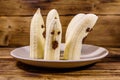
pixel 35 69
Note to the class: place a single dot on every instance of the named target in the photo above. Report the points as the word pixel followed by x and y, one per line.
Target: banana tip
pixel 38 10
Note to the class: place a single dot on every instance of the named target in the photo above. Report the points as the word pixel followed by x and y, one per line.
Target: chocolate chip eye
pixel 55 17
pixel 42 26
pixel 89 29
pixel 52 32
pixel 58 32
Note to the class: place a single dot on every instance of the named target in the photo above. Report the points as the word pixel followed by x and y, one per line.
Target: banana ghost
pixel 37 38
pixel 48 48
pixel 53 36
pixel 74 39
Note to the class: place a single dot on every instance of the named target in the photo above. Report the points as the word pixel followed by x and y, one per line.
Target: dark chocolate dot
pixel 55 17
pixel 54 44
pixel 89 29
pixel 52 32
pixel 58 32
pixel 42 26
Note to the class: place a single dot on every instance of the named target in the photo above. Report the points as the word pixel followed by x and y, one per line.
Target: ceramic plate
pixel 90 54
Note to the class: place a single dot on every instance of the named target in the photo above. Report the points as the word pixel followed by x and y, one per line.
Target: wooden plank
pixel 5 53
pixel 102 70
pixel 28 7
pixel 26 71
pixel 105 33
pixel 106 7
pixel 9 25
pixel 71 7
pixel 57 77
pixel 12 64
pixel 19 30
pixel 106 69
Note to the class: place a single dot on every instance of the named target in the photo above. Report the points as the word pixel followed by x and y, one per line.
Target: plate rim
pixel 59 61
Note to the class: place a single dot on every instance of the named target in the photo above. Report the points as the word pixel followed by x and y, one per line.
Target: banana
pixel 37 39
pixel 80 30
pixel 53 36
pixel 72 23
pixel 51 15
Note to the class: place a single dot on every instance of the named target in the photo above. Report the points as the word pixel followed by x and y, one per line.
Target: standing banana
pixel 72 23
pixel 37 39
pixel 51 15
pixel 53 36
pixel 80 30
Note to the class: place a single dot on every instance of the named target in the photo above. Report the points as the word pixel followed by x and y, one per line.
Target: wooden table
pixel 106 69
pixel 15 17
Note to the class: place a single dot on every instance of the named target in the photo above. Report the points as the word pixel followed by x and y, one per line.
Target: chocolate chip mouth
pixel 54 44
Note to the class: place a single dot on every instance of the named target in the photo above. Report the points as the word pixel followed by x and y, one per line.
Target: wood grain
pixel 27 7
pixel 71 7
pixel 15 19
pixel 107 68
pixel 106 31
pixel 16 77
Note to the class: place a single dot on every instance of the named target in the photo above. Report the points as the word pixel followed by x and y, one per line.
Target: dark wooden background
pixel 15 17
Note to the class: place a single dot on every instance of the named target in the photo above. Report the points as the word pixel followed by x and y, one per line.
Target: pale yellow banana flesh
pixel 49 49
pixel 73 43
pixel 53 42
pixel 37 40
pixel 72 23
pixel 51 15
pixel 53 37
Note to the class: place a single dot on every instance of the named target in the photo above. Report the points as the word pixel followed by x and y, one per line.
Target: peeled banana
pixel 80 30
pixel 72 23
pixel 51 15
pixel 53 36
pixel 48 48
pixel 37 39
